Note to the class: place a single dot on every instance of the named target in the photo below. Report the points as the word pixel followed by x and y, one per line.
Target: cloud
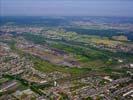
pixel 67 7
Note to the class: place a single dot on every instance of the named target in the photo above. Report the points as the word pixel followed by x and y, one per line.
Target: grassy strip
pixel 45 66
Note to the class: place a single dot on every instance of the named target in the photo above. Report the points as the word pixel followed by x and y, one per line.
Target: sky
pixel 66 8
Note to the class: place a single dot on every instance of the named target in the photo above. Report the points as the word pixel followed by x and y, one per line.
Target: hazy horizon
pixel 116 8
